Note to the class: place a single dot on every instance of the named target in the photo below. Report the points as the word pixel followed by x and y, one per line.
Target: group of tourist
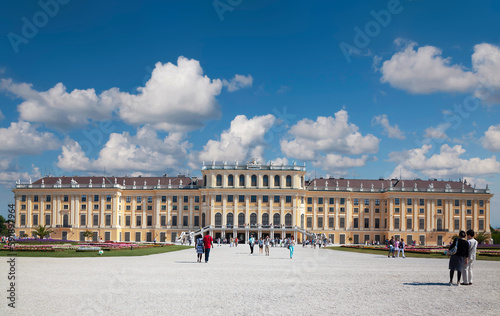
pixel 462 254
pixel 315 242
pixel 396 245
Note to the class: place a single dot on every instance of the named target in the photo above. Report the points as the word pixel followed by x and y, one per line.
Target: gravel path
pixel 316 281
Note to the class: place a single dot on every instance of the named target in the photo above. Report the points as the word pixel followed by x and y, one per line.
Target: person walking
pixel 236 241
pixel 391 247
pixel 199 249
pixel 208 242
pixel 251 242
pixel 458 259
pixel 401 247
pixel 291 247
pixel 472 256
pixel 267 241
pixel 261 245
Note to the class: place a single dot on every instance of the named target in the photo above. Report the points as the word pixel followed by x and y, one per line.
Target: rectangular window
pixel 355 223
pixel 186 199
pixel 377 202
pixel 65 198
pixel 320 209
pixel 35 207
pixel 469 224
pixel 96 198
pixel 409 224
pixel 396 223
pixel 23 219
pixel 139 199
pixel 65 206
pixel 421 202
pixel 150 207
pixel 481 212
pixel 409 210
pixel 481 224
pixel 127 236
pixel 83 220
pixel 230 198
pixel 439 211
pixel 332 201
pixel 108 206
pixel 185 220
pixel 456 224
pixel 331 222
pixel 108 198
pixel 396 201
pixel 355 210
pixel 196 221
pixel 367 223
pixel 367 210
pixel 309 209
pixel 439 202
pixel 84 206
pixel 276 199
pixel 174 199
pixel 174 207
pixel 421 211
pixel 108 219
pixel 253 198
pixel 47 220
pixel 47 206
pixel 288 199
pixel 241 198
pixel 138 236
pixel 218 198
pixel 139 207
pixel 421 223
pixel 457 211
pixel 469 203
pixel 320 200
pixel 127 220
pixel 150 220
pixel 377 222
pixel 84 198
pixel 185 207
pixel 309 200
pixel 332 210
pixel 320 221
pixel 457 202
pixel 127 207
pixel 48 198
pixel 204 198
pixel 342 210
pixel 265 198
pixel 174 220
pixel 35 198
pixel 138 221
pixel 396 210
pixel 197 199
pixel 342 201
pixel 107 236
pixel 309 221
pixel 163 220
pixel 164 199
pixel 355 201
pixel 95 220
pixel 197 207
pixel 409 201
pixel 150 199
pixel 469 211
pixel 367 201
pixel 481 203
pixel 128 199
pixel 35 219
pixel 342 222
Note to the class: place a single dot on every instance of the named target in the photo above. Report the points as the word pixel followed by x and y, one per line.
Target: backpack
pixel 199 242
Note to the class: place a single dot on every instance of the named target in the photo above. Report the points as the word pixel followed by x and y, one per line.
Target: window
pixel 204 197
pixel 409 224
pixel 139 199
pixel 150 220
pixel 320 200
pixel 409 210
pixel 409 201
pixel 469 224
pixel 174 199
pixel 342 222
pixel 84 198
pixel 47 220
pixel 469 211
pixel 396 223
pixel 481 203
pixel 421 202
pixel 421 211
pixel 309 200
pixel 439 202
pixel 164 199
pixel 48 198
pixel 185 220
pixel 481 224
pixel 108 206
pixel 127 207
pixel 23 219
pixel 96 198
pixel 332 201
pixel 127 220
pixel 356 210
pixel 84 206
pixel 108 220
pixel 96 206
pixel 355 201
pixel 320 209
pixel 276 199
pixel 65 198
pixel 139 207
pixel 457 202
pixel 241 219
pixel 138 236
pixel 367 210
pixel 174 207
pixel 320 221
pixel 218 198
pixel 367 223
pixel 241 198
pixel 253 198
pixel 265 219
pixel 332 209
pixel 331 222
pixel 421 223
pixel 342 210
pixel 197 221
pixel 377 222
pixel 396 210
pixel 288 199
pixel 35 198
pixel 439 224
pixel 276 219
pixel 108 198
pixel 138 220
pixel 309 222
pixel 253 180
pixel 367 201
pixel 309 209
pixel 196 199
pixel 265 198
pixel 230 180
pixel 288 181
pixel 355 223
pixel 95 220
pixel 377 211
pixel 218 181
pixel 47 206
pixel 229 219
pixel 457 211
pixel 253 219
pixel 396 201
pixel 456 224
pixel 481 212
pixel 439 211
pixel 174 220
pixel 128 199
pixel 265 181
pixel 65 206
pixel 242 180
pixel 35 219
pixel 276 181
pixel 377 202
pixel 469 202
pixel 230 198
pixel 342 201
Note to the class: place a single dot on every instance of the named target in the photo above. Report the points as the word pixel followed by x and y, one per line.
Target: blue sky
pixel 363 89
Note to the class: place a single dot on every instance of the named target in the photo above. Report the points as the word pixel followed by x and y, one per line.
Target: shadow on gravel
pixel 185 262
pixel 427 283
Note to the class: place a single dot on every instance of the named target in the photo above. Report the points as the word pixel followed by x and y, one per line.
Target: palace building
pixel 237 200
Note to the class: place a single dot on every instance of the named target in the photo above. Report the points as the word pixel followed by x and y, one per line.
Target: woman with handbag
pixel 459 252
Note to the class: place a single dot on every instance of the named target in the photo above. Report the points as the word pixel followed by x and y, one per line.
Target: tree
pixel 481 237
pixel 42 231
pixel 495 234
pixel 4 230
pixel 88 234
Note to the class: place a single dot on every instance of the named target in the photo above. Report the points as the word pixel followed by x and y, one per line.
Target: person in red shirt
pixel 208 242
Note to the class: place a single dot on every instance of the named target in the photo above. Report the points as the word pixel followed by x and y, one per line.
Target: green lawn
pixel 383 252
pixel 112 253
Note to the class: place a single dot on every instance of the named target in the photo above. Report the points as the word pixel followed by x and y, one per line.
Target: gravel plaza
pixel 314 282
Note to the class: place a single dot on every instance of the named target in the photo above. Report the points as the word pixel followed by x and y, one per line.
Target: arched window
pixel 265 219
pixel 265 181
pixel 254 180
pixel 241 219
pixel 230 180
pixel 219 180
pixel 203 222
pixel 204 181
pixel 65 220
pixel 276 219
pixel 242 180
pixel 276 181
pixel 439 224
pixel 288 181
pixel 229 220
pixel 288 220
pixel 253 219
pixel 218 219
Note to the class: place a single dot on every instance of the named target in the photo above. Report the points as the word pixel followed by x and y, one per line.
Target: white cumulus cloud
pixel 238 82
pixel 438 132
pixel 491 138
pixel 22 138
pixel 391 131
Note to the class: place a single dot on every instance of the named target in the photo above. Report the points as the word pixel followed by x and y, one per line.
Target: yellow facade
pixel 263 200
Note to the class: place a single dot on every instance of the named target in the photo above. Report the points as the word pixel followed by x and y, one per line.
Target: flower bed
pixel 426 249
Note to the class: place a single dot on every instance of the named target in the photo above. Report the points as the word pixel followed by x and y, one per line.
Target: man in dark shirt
pixel 208 242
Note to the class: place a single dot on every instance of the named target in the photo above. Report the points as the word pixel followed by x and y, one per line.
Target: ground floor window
pixel 422 240
pixel 173 236
pixel 127 236
pixel 342 239
pixel 107 236
pixel 138 236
